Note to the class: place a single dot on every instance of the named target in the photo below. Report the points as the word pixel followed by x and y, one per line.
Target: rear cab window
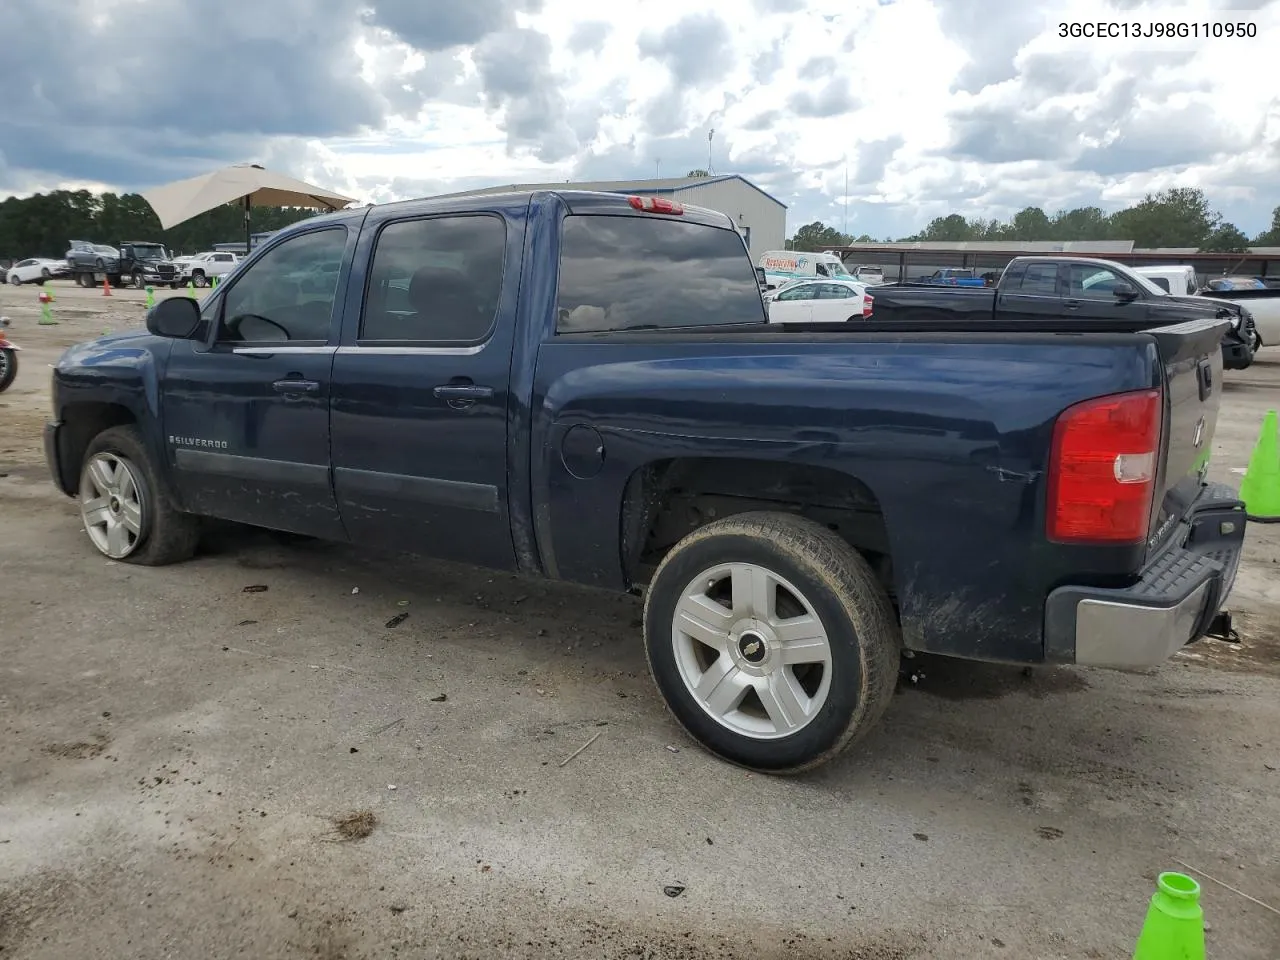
pixel 620 272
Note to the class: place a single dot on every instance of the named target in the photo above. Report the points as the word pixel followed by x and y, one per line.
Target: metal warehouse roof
pixel 663 185
pixel 1001 246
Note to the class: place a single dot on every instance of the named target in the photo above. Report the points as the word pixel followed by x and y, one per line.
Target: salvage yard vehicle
pixel 35 270
pixel 1250 294
pixel 783 265
pixel 820 301
pixel 8 357
pixel 584 387
pixel 1254 296
pixel 141 262
pixel 201 268
pixel 1097 294
pixel 953 277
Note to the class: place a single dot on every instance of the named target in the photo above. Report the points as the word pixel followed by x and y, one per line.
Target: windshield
pixel 149 251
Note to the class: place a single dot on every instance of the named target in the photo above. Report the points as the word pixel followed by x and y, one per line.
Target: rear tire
pixel 127 512
pixel 792 649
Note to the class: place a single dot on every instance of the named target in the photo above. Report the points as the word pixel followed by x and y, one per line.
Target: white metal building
pixel 761 218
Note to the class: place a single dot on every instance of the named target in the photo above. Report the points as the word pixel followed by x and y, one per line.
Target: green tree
pixel 1082 223
pixel 953 229
pixel 1270 238
pixel 818 236
pixel 1031 223
pixel 43 225
pixel 1179 217
pixel 698 173
pixel 1226 238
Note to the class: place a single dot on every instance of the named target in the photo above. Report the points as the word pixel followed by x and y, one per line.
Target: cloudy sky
pixel 928 107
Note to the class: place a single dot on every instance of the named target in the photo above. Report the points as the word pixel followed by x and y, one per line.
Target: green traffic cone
pixel 151 296
pixel 191 289
pixel 1260 490
pixel 213 283
pixel 46 315
pixel 1174 928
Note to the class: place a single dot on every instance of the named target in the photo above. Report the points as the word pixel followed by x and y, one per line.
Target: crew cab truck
pixel 1081 293
pixel 584 387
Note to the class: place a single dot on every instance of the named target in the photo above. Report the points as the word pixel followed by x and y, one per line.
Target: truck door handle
pixel 1071 304
pixel 295 387
pixel 467 392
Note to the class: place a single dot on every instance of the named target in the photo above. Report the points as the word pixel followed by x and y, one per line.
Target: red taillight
pixel 1102 469
pixel 656 205
pixel 867 304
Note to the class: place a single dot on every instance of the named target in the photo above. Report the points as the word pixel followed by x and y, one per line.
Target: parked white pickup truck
pixel 201 268
pixel 1248 293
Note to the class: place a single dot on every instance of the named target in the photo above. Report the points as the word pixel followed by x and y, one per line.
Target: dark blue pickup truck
pixel 584 387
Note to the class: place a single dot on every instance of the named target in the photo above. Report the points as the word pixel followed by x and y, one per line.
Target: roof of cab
pixel 578 202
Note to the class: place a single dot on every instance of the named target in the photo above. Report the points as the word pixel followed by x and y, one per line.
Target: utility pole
pixel 710 134
pixel 657 168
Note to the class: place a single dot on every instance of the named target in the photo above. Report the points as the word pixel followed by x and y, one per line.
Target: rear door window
pixel 1040 280
pixel 435 280
pixel 630 272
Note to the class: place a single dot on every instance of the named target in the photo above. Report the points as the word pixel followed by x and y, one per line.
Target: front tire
pixel 13 279
pixel 198 278
pixel 139 281
pixel 127 513
pixel 771 641
pixel 8 369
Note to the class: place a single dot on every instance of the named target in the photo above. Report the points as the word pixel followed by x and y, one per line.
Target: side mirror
pixel 1126 291
pixel 176 318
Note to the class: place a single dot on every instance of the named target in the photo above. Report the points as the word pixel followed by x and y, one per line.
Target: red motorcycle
pixel 8 357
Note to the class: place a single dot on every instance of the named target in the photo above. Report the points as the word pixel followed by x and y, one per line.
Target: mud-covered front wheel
pixel 126 513
pixel 771 640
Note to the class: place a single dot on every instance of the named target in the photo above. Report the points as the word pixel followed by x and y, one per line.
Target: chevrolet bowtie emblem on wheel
pixel 1199 434
pixel 752 648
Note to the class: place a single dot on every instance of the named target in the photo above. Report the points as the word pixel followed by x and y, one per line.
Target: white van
pixel 1176 280
pixel 783 265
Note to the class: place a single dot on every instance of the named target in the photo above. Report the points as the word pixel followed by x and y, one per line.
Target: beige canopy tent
pixel 249 183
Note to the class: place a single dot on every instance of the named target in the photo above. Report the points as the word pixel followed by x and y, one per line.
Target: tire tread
pixel 850 578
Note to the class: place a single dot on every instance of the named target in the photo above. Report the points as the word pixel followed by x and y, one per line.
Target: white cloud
pixel 933 106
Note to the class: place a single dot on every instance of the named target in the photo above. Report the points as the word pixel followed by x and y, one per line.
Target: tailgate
pixel 1192 356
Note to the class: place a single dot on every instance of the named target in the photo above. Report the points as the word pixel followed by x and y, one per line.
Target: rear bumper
pixel 1173 604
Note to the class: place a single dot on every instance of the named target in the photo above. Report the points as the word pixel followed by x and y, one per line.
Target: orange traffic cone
pixel 106 285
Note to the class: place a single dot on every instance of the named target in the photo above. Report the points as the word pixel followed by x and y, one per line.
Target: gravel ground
pixel 191 770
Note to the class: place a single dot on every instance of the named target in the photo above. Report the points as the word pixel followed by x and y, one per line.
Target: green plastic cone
pixel 1261 488
pixel 151 296
pixel 191 289
pixel 1174 928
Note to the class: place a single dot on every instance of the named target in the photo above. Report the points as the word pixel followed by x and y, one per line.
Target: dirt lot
pixel 177 755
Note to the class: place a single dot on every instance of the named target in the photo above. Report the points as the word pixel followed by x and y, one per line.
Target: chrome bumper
pixel 1172 604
